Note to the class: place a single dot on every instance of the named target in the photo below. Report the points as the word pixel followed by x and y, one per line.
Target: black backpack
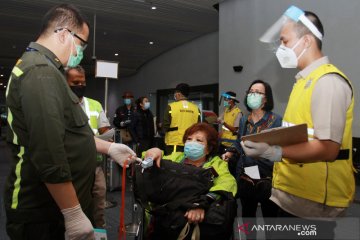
pixel 172 182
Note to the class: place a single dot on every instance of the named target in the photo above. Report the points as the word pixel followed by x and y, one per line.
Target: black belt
pixel 344 154
pixel 173 129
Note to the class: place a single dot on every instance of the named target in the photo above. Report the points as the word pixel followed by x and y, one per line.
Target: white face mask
pixel 287 57
pixel 147 105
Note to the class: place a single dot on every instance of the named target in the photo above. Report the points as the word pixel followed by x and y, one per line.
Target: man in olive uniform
pixel 48 190
pixel 179 116
pixel 99 123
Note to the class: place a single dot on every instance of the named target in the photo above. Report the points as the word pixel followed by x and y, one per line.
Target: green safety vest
pixel 92 108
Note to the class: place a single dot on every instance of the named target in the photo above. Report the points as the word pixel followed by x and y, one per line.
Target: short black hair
pixel 78 68
pixel 269 104
pixel 233 94
pixel 183 88
pixel 301 29
pixel 139 100
pixel 63 15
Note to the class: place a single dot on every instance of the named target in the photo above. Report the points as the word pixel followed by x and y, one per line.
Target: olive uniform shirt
pixel 50 139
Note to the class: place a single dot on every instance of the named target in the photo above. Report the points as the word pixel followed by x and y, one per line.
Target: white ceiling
pixel 122 26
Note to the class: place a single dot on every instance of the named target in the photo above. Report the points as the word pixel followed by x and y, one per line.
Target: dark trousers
pixel 143 145
pixel 249 207
pixel 207 232
pixel 324 229
pixel 36 231
pixel 268 208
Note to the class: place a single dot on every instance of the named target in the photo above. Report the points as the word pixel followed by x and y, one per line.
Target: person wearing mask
pixel 99 124
pixel 122 117
pixel 142 125
pixel 315 178
pixel 201 146
pixel 259 102
pixel 229 120
pixel 179 116
pixel 48 193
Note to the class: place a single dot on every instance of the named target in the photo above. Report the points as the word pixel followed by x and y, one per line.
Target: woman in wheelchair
pixel 198 190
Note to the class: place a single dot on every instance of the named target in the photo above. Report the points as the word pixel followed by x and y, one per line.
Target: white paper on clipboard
pixel 252 172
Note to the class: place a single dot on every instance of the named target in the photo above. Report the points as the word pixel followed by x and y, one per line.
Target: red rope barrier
pixel 122 233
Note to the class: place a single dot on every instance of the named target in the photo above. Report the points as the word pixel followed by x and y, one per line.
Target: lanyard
pixel 30 49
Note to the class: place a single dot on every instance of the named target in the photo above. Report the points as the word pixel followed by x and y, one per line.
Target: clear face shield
pixel 293 13
pixel 224 98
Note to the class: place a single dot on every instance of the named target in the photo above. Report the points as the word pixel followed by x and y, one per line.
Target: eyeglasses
pixel 83 42
pixel 253 92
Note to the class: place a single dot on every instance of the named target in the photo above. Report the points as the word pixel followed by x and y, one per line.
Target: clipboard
pixel 282 136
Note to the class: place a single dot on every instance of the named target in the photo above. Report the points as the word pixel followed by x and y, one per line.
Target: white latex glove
pixel 262 150
pixel 120 152
pixel 77 225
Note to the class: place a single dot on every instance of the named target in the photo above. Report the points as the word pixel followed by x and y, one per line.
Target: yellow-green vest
pixel 229 118
pixel 330 183
pixel 92 108
pixel 183 115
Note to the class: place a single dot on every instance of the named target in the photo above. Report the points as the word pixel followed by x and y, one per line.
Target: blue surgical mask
pixel 226 104
pixel 127 101
pixel 73 61
pixel 254 100
pixel 147 105
pixel 194 150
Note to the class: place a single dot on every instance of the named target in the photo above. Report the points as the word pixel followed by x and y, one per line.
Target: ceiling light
pixel 151 43
pixel 116 54
pixel 1 84
pixel 1 75
pixel 153 8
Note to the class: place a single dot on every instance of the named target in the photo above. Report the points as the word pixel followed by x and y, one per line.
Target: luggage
pixel 113 175
pixel 112 169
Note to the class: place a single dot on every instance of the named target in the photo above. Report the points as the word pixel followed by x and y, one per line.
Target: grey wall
pixel 241 24
pixel 195 63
